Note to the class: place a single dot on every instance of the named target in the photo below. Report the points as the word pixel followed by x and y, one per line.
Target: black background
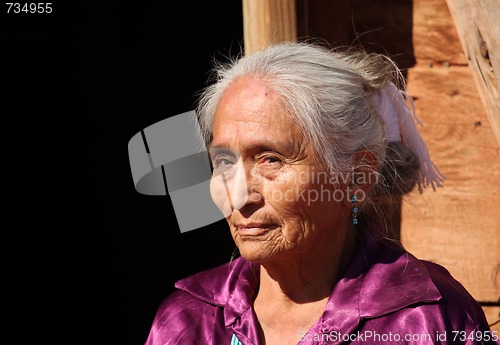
pixel 89 257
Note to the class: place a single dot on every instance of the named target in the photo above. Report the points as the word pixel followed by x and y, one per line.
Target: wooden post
pixel 268 21
pixel 478 26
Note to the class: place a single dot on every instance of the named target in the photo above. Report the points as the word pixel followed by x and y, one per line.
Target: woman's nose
pixel 232 190
pixel 253 187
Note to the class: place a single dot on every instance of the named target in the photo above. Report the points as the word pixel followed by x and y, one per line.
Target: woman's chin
pixel 255 252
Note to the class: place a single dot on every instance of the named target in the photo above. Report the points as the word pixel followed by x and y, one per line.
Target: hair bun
pixel 400 172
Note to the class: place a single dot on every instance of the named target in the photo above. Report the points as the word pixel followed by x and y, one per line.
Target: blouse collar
pixel 380 279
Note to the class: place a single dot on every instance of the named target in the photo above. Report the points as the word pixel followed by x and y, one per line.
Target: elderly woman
pixel 307 144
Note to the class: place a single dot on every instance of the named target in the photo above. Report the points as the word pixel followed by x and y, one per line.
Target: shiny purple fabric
pixel 385 296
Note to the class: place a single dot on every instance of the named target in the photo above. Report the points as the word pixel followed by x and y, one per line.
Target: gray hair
pixel 328 93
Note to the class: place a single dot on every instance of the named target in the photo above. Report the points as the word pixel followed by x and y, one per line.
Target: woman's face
pixel 276 196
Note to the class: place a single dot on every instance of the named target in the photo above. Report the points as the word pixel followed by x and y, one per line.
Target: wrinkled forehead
pixel 250 111
pixel 250 95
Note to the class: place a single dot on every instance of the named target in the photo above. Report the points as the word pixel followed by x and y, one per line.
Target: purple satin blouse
pixel 385 296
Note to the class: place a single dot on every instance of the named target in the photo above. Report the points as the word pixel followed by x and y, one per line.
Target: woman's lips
pixel 254 229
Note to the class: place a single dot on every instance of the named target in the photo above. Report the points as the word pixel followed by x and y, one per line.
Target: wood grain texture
pixel 458 226
pixel 268 21
pixel 478 26
pixel 435 38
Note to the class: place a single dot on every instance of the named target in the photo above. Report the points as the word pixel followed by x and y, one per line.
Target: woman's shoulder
pixel 456 301
pixel 431 275
pixel 444 313
pixel 189 311
pixel 194 310
pixel 200 290
pixel 180 319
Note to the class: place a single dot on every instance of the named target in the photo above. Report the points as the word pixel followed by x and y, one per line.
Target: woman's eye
pixel 223 163
pixel 271 160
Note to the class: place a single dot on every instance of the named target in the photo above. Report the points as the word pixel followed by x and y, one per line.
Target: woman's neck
pixel 293 293
pixel 304 278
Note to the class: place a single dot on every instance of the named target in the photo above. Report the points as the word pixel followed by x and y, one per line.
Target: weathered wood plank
pixel 435 38
pixel 478 26
pixel 268 21
pixel 456 226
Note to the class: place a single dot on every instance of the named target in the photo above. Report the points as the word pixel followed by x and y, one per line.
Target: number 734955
pixel 32 7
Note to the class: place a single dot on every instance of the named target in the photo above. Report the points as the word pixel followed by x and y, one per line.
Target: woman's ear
pixel 364 174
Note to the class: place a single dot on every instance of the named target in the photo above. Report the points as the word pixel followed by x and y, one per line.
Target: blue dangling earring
pixel 354 210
